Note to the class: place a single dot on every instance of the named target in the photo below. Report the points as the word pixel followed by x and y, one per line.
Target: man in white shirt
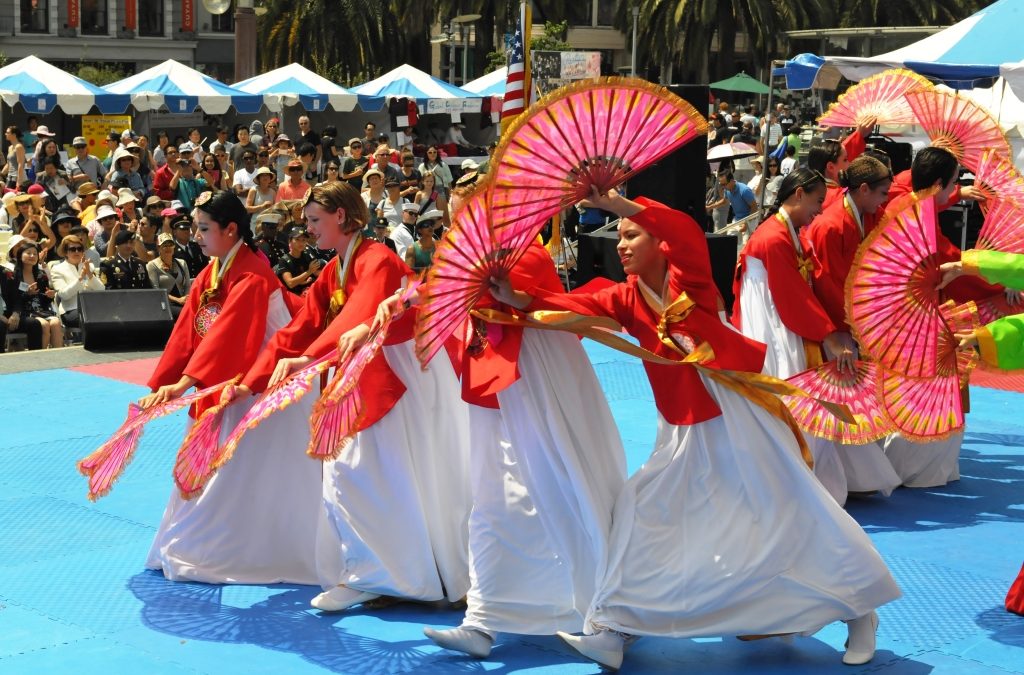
pixel 242 181
pixel 401 233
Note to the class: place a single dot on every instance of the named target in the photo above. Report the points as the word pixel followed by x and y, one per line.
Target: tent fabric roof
pixel 406 81
pixel 742 82
pixel 293 84
pixel 40 87
pixel 982 46
pixel 183 90
pixel 491 84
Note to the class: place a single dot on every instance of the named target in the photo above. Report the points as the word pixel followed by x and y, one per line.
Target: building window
pixel 606 12
pixel 223 23
pixel 35 16
pixel 94 17
pixel 151 18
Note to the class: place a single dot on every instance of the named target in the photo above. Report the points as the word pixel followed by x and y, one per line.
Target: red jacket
pixel 233 341
pixel 376 272
pixel 799 309
pixel 162 182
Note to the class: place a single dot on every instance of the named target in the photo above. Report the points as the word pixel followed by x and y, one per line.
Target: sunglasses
pixel 264 154
pixel 332 168
pixel 294 170
pixel 75 249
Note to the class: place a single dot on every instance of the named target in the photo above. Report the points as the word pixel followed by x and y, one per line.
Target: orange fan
pixel 879 98
pixel 1003 229
pixel 998 179
pixel 959 125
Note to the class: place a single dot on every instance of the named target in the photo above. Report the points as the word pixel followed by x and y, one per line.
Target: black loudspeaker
pixel 598 257
pixel 118 319
pixel 678 180
pixel 721 248
pixel 901 155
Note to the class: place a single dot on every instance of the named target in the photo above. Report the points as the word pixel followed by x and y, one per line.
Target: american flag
pixel 517 84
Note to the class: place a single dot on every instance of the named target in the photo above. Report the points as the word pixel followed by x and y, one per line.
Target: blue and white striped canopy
pixel 491 84
pixel 293 84
pixel 40 87
pixel 432 94
pixel 983 46
pixel 183 90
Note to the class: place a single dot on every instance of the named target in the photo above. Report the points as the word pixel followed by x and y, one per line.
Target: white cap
pixel 410 206
pixel 469 165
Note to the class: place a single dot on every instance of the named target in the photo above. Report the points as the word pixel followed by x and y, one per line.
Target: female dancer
pixel 396 502
pixel 256 520
pixel 775 292
pixel 753 544
pixel 547 465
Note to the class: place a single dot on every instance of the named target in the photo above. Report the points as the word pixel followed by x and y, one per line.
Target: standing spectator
pixel 740 197
pixel 217 177
pixel 123 269
pixel 16 166
pixel 43 147
pixel 401 233
pixel 34 296
pixel 263 161
pixel 355 165
pixel 774 178
pixel 332 172
pixel 125 175
pixel 789 164
pixel 442 174
pixel 243 180
pixel 56 183
pixel 162 177
pixel 409 180
pixel 170 274
pixel 786 120
pixel 382 162
pixel 280 154
pixel 310 168
pixel 147 165
pixel 113 145
pixel 374 196
pixel 308 135
pixel 272 128
pixel 261 195
pixel 772 132
pixel 380 232
pixel 298 269
pixel 185 184
pixel 370 134
pixel 29 138
pixel 196 139
pixel 256 133
pixel 161 146
pixel 243 146
pixel 84 167
pixel 430 197
pixel 750 117
pixel 294 187
pixel 72 276
pixel 185 248
pixel 221 142
pixel 420 254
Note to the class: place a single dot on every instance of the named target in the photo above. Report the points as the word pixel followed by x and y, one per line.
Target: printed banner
pixel 72 13
pixel 96 127
pixel 188 16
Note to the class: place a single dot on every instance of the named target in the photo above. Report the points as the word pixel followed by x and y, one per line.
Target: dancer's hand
pixel 971 193
pixel 840 345
pixel 502 291
pixel 166 393
pixel 286 367
pixel 867 127
pixel 968 340
pixel 391 306
pixel 233 391
pixel 950 272
pixel 1013 298
pixel 352 340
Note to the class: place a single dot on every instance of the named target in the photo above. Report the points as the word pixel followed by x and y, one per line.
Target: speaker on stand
pixel 130 319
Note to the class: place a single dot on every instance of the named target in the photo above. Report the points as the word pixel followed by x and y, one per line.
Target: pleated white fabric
pixel 724 531
pixel 785 358
pixel 255 522
pixel 397 500
pixel 546 469
pixel 923 465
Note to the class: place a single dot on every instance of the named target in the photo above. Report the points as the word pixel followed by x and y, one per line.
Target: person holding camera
pixel 185 184
pixel 123 268
pixel 298 269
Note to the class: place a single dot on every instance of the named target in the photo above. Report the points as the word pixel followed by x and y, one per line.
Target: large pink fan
pixel 464 261
pixel 288 391
pixel 959 125
pixel 1003 229
pixel 193 466
pixel 589 134
pixel 923 409
pixel 879 97
pixel 857 390
pixel 891 295
pixel 104 466
pixel 998 179
pixel 995 307
pixel 338 412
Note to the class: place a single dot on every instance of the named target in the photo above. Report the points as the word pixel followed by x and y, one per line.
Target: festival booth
pixel 295 85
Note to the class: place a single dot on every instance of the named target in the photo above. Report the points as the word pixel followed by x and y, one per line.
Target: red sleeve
pixel 183 338
pixel 607 302
pixel 832 264
pixel 162 185
pixel 234 340
pixel 799 310
pixel 686 248
pixel 854 146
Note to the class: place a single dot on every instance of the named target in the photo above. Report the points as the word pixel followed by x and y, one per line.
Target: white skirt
pixel 397 500
pixel 923 465
pixel 546 471
pixel 724 531
pixel 256 521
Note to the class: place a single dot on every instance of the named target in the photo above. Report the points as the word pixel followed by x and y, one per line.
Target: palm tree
pixel 907 12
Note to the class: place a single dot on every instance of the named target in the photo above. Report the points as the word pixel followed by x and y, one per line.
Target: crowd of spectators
pixel 124 221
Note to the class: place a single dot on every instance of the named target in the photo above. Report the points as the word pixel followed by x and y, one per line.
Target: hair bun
pixel 843 179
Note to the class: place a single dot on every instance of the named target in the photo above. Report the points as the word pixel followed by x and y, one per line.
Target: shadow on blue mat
pixel 1003 627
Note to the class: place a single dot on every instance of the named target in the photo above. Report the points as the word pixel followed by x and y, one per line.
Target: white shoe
pixel 341 597
pixel 466 640
pixel 605 647
pixel 860 648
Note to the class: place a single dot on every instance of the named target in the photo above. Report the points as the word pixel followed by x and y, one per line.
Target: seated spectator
pixel 307 155
pixel 409 177
pixel 374 194
pixel 429 196
pixel 170 274
pixel 126 174
pixel 294 187
pixel 61 224
pixel 380 226
pixel 401 233
pixel 186 186
pixel 263 160
pixel 10 315
pixel 72 276
pixel 34 296
pixel 268 238
pixel 419 256
pixel 107 218
pixel 47 148
pixel 332 171
pixel 185 248
pixel 124 269
pixel 382 162
pixel 91 254
pixel 262 195
pixel 355 165
pixel 85 204
pixel 84 167
pixel 298 269
pixel 162 176
pixel 394 202
pixel 30 221
pixel 308 135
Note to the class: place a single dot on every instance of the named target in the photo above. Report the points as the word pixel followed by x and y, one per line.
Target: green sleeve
pixel 995 267
pixel 1002 342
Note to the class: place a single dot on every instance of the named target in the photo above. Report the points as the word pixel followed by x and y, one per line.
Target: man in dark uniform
pixel 185 249
pixel 268 240
pixel 298 269
pixel 123 270
pixel 380 232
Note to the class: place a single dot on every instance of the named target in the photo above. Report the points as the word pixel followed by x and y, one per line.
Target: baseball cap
pixel 186 147
pixel 297 232
pixel 123 237
pixel 79 142
pixel 294 164
pixel 469 165
pixel 153 200
pixel 164 238
pixel 392 183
